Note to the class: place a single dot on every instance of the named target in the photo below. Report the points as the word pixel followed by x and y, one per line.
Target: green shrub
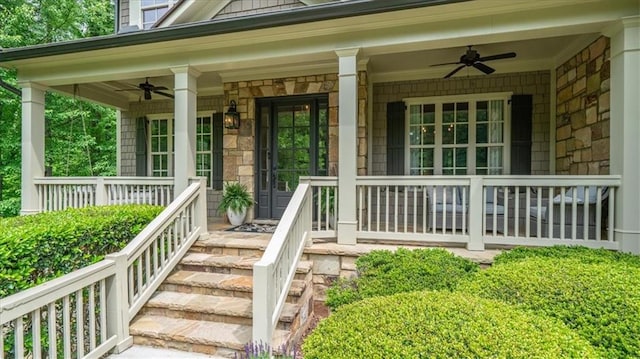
pixel 10 207
pixel 440 325
pixel 37 248
pixel 384 273
pixel 583 254
pixel 601 301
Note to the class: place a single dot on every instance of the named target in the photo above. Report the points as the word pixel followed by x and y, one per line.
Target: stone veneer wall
pixel 582 124
pixel 535 83
pixel 239 148
pixel 128 135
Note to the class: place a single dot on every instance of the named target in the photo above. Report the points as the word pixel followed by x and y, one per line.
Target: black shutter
pixel 141 146
pixel 395 138
pixel 521 131
pixel 217 151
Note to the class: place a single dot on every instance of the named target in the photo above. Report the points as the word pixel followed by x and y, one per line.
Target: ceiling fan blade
pixel 484 68
pixel 507 55
pixel 163 94
pixel 454 71
pixel 156 88
pixel 447 63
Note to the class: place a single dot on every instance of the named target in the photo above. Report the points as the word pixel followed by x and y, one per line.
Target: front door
pixel 292 141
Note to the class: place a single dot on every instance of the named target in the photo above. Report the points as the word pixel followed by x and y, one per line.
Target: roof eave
pixel 208 28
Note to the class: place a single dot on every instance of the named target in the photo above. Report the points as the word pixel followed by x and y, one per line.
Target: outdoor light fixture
pixel 232 117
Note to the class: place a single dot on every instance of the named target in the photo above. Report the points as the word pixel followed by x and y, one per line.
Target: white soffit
pixel 378 35
pixel 193 11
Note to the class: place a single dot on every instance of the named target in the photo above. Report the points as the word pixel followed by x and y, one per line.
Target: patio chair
pixel 493 206
pixel 448 209
pixel 586 201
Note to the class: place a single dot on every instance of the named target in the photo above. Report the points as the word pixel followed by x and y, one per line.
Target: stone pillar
pixel 347 148
pixel 32 144
pixel 185 111
pixel 625 130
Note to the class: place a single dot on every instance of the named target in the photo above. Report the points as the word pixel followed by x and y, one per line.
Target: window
pixel 204 148
pixel 458 135
pixel 153 10
pixel 161 152
pixel 208 147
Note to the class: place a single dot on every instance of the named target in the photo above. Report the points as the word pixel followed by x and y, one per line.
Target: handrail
pixel 174 230
pixel 90 292
pixel 274 272
pixel 115 288
pixel 58 193
pixel 33 298
pixel 107 180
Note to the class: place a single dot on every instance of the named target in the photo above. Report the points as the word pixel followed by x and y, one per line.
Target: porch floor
pixel 328 246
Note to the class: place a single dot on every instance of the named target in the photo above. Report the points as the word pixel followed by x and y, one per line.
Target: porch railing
pixel 275 271
pixel 479 210
pixel 58 193
pixel 325 205
pixel 86 313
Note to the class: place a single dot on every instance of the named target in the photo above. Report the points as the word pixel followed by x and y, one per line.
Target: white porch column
pixel 347 139
pixel 32 144
pixel 185 108
pixel 625 130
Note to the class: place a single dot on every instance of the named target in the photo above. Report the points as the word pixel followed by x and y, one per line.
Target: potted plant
pixel 236 199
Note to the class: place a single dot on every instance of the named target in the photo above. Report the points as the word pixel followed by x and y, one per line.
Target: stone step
pixel 222 339
pixel 228 264
pixel 229 285
pixel 210 308
pixel 238 244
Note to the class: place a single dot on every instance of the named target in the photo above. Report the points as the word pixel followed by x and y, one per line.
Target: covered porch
pixel 495 178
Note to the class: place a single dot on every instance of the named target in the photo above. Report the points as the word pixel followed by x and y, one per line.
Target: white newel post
pixel 32 144
pixel 262 304
pixel 118 303
pixel 185 108
pixel 347 139
pixel 201 206
pixel 625 130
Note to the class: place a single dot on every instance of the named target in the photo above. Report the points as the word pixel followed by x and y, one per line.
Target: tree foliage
pixel 80 137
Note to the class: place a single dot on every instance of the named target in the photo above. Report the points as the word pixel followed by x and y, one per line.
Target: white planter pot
pixel 236 218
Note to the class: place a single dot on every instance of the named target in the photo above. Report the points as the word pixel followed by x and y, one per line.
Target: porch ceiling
pixel 397 45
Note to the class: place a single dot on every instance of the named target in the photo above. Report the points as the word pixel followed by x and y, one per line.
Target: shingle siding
pixel 530 83
pixel 128 135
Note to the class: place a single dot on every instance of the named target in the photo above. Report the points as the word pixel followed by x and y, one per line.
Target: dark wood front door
pixel 292 141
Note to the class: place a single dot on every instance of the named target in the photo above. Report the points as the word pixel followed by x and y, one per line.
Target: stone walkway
pixel 141 352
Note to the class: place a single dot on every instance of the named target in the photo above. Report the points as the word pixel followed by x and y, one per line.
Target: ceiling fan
pixel 472 58
pixel 150 88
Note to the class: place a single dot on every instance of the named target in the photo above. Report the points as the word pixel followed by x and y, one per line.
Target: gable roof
pixel 328 11
pixel 186 11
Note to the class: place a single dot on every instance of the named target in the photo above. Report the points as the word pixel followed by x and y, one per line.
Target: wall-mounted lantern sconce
pixel 232 117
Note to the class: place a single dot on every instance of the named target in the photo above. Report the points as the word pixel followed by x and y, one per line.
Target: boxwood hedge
pixel 34 249
pixel 600 301
pixel 584 254
pixel 384 272
pixel 440 325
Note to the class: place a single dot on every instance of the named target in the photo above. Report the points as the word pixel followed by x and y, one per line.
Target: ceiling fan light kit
pixel 472 58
